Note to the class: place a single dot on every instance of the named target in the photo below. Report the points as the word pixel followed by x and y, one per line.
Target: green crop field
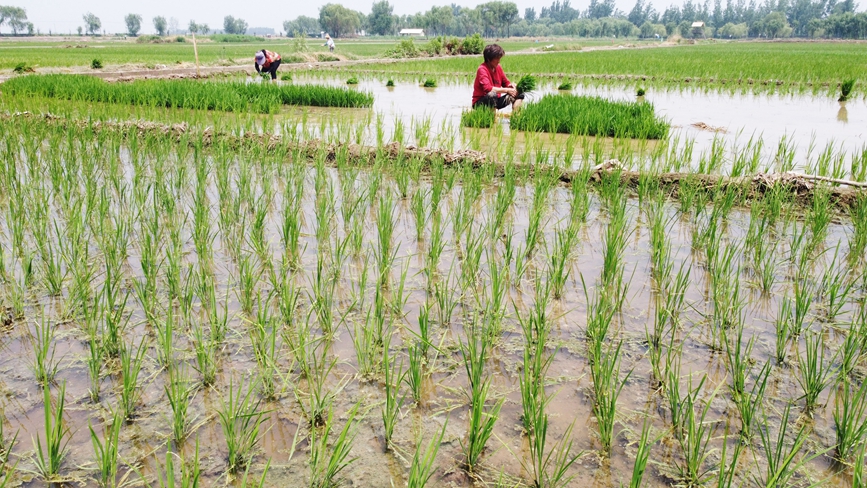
pixel 789 62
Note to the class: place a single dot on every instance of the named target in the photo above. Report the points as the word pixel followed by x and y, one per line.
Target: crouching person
pixel 492 88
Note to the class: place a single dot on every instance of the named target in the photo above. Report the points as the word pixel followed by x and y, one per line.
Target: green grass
pixel 791 62
pixel 230 96
pixel 592 116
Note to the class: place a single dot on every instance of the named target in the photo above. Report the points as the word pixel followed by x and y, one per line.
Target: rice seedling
pixel 479 117
pixel 394 377
pixel 693 434
pixel 749 402
pixel 328 462
pixel 642 455
pixel 565 86
pixel 607 385
pixel 815 373
pixel 389 83
pixel 846 90
pixel 421 468
pixel 416 372
pixel 429 83
pixel 639 92
pixel 205 348
pixel 106 451
pixel 179 392
pixel 49 457
pixel 850 421
pixel 780 455
pixel 352 80
pixel 43 365
pixel 859 479
pixel 131 362
pixel 222 96
pixel 526 84
pixel 558 261
pixel 481 422
pixel 241 421
pixel 590 116
pixel 726 474
pixel 858 237
pixel 190 471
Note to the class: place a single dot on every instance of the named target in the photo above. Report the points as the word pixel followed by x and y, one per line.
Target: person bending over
pixel 492 88
pixel 267 62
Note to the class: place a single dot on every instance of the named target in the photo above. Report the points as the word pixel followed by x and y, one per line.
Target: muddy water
pixel 145 438
pixel 808 124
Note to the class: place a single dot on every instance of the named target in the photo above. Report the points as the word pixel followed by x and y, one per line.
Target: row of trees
pixel 723 18
pixel 16 19
pixel 231 25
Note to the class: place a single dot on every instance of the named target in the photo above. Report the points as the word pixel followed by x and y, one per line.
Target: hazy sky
pixel 64 16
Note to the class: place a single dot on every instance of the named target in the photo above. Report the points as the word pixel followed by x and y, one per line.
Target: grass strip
pixel 192 94
pixel 592 116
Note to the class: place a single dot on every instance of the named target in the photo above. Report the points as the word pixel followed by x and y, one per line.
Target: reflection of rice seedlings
pixel 850 421
pixel 421 468
pixel 481 422
pixel 43 365
pixel 607 385
pixel 694 436
pixel 179 392
pixel 241 420
pixel 50 456
pixel 130 366
pixel 106 452
pixel 815 373
pixel 394 376
pixel 328 461
pixel 779 461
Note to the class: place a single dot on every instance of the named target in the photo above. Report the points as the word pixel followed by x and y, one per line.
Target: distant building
pixel 412 32
pixel 697 29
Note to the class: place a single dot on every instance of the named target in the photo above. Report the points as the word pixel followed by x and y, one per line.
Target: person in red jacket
pixel 267 62
pixel 492 88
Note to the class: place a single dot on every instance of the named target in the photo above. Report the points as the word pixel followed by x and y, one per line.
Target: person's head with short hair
pixel 493 52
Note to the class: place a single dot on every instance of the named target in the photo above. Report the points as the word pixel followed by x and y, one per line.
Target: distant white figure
pixel 329 42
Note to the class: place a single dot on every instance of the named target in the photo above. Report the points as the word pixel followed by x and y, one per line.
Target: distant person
pixel 329 42
pixel 492 88
pixel 268 62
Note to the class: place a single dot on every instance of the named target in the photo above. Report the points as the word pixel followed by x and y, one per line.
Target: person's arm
pixel 506 82
pixel 257 66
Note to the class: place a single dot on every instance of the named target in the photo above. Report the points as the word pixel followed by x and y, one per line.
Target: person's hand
pixel 512 91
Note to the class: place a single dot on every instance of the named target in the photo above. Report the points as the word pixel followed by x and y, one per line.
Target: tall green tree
pixel 92 24
pixel 338 20
pixel 160 25
pixel 382 18
pixel 303 25
pixel 133 24
pixel 16 18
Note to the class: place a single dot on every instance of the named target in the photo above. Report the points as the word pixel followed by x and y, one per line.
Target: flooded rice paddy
pixel 301 280
pixel 805 125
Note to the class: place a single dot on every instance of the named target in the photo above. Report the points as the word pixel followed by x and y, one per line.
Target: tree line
pixel 601 18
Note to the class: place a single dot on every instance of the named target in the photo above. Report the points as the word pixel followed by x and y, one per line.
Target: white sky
pixel 63 16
